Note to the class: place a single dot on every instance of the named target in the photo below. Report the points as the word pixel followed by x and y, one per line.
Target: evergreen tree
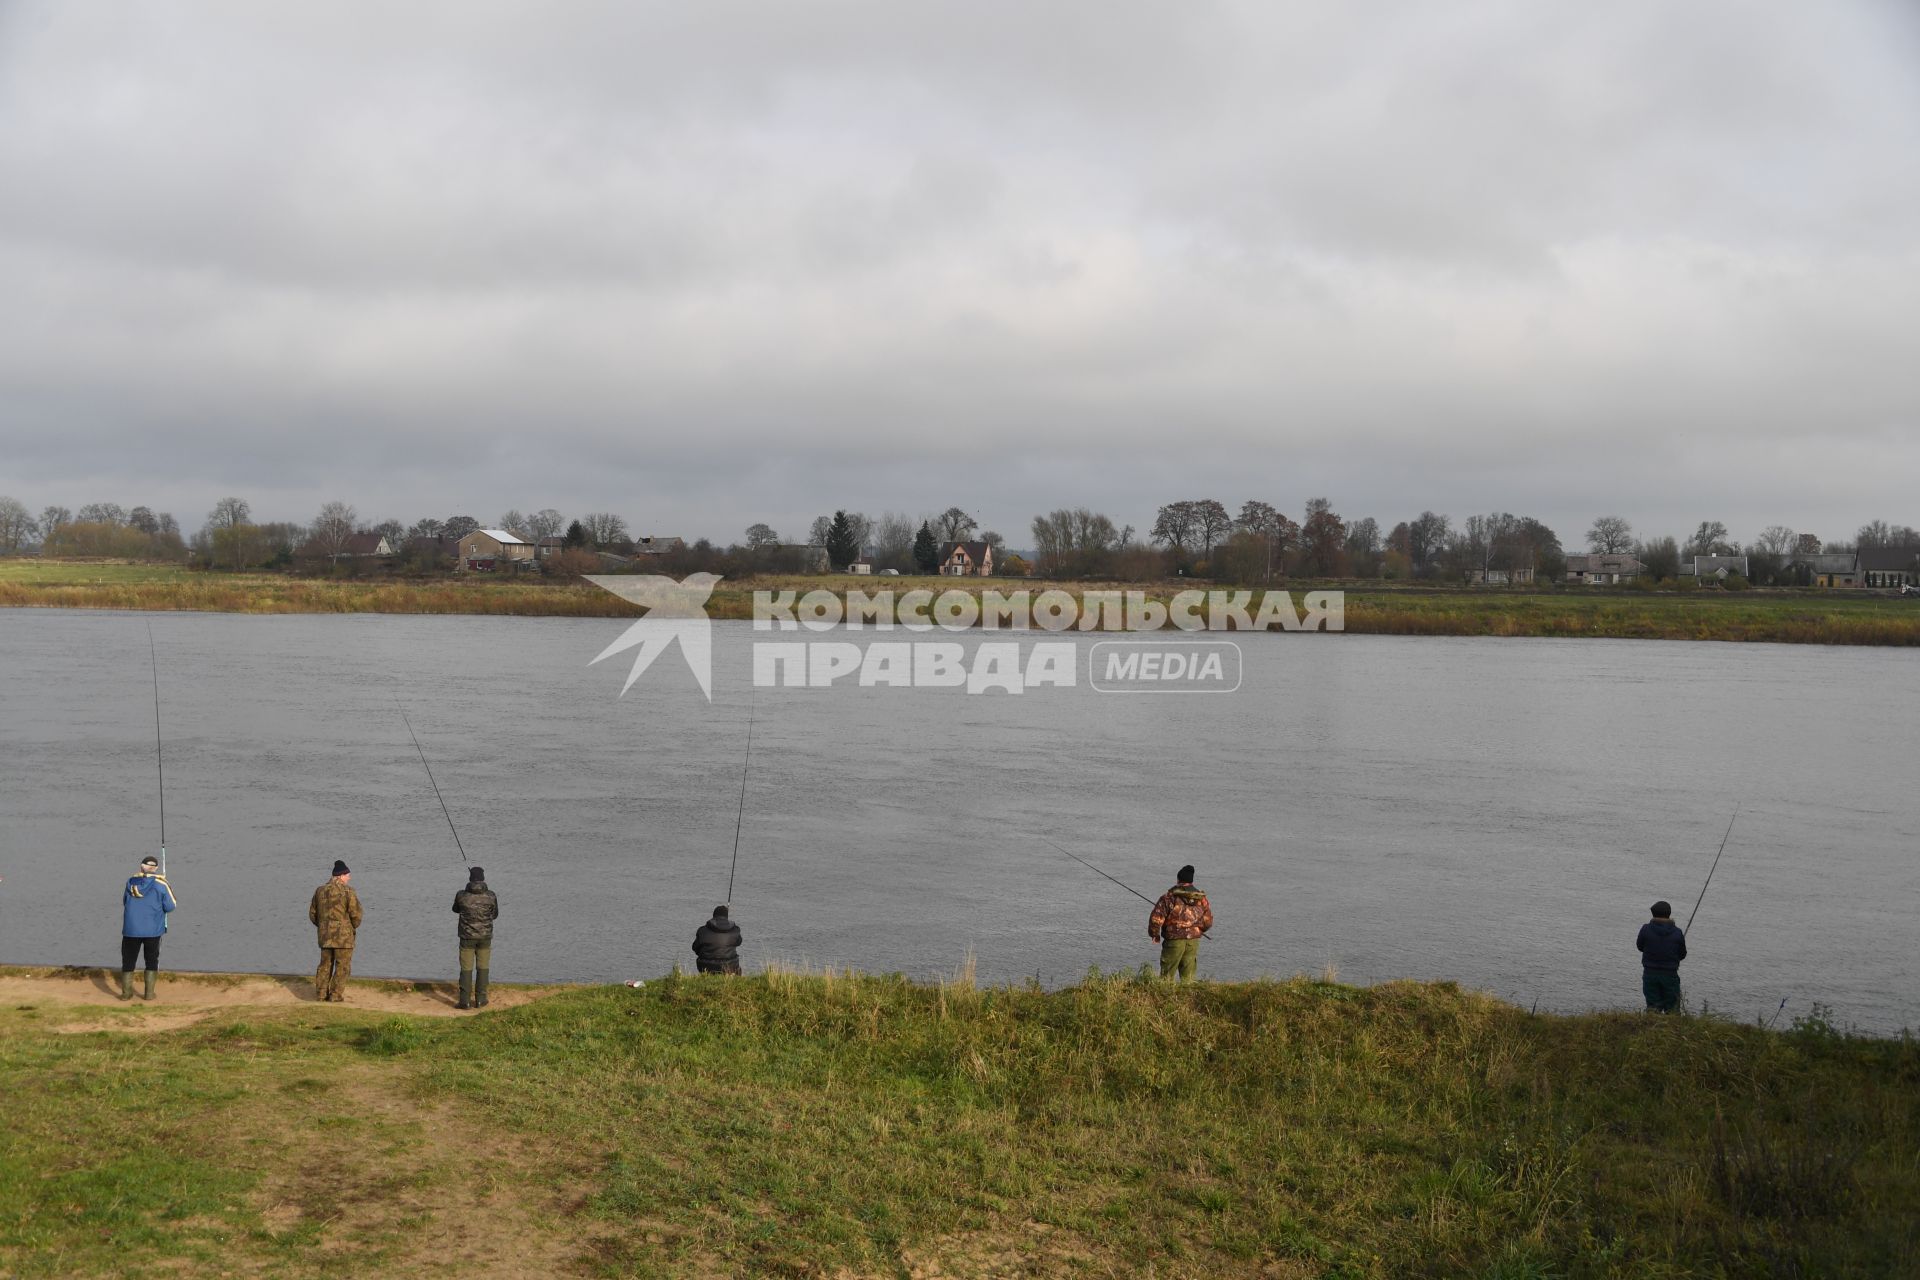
pixel 925 554
pixel 576 535
pixel 842 543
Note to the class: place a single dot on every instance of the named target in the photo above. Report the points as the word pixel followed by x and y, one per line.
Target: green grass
pixel 1791 616
pixel 862 1126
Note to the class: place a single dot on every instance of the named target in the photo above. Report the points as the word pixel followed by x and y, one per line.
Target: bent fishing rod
pixel 1123 884
pixel 740 817
pixel 159 761
pixel 430 778
pixel 1710 870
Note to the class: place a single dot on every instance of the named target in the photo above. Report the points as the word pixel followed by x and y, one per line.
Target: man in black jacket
pixel 1663 945
pixel 478 909
pixel 716 944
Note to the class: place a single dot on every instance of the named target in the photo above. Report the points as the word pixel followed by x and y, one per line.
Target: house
pixel 1827 568
pixel 658 546
pixel 1603 569
pixel 1713 568
pixel 549 547
pixel 1890 566
pixel 366 544
pixel 485 550
pixel 863 564
pixel 966 559
pixel 1522 576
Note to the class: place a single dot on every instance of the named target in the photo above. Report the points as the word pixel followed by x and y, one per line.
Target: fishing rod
pixel 740 817
pixel 430 778
pixel 159 761
pixel 1710 870
pixel 1123 884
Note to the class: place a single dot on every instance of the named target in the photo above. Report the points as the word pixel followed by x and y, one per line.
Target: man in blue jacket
pixel 1663 945
pixel 144 907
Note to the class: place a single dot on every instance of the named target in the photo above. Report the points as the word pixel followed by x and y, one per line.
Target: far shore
pixel 1796 616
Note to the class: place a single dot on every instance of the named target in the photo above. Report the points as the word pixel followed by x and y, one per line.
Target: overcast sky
pixel 707 264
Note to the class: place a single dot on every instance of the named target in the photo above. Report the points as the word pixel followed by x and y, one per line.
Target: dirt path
pixel 183 999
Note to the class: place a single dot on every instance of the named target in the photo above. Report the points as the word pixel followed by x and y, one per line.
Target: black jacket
pixel 1662 945
pixel 478 910
pixel 717 942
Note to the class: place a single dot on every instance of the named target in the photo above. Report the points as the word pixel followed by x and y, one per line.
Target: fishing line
pixel 430 778
pixel 1123 884
pixel 159 762
pixel 740 817
pixel 1710 871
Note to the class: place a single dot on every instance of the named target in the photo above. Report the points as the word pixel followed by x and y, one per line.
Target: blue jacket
pixel 146 902
pixel 1662 945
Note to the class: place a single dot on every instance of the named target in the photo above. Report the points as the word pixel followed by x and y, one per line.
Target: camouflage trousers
pixel 1179 958
pixel 336 965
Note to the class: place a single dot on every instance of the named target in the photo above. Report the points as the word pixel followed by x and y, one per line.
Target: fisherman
pixel 1179 918
pixel 1663 945
pixel 335 911
pixel 716 944
pixel 144 906
pixel 478 908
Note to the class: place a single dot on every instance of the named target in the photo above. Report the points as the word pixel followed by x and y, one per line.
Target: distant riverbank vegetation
pixel 791 1124
pixel 1784 616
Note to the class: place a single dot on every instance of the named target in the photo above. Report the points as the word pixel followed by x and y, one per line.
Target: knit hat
pixel 1662 910
pixel 475 875
pixel 719 913
pixel 1186 874
pixel 339 867
pixel 149 861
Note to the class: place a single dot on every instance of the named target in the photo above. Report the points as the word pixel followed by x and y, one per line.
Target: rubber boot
pixel 479 988
pixel 466 989
pixel 126 984
pixel 149 994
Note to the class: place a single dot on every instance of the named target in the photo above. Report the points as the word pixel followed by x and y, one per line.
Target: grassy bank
pixel 822 1126
pixel 1792 617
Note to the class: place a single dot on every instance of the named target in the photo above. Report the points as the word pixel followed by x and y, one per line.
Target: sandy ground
pixel 185 998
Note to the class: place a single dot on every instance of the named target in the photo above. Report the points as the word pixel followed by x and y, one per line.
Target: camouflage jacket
pixel 478 908
pixel 336 911
pixel 1182 912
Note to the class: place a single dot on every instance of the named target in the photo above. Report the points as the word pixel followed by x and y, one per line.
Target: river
pixel 1495 811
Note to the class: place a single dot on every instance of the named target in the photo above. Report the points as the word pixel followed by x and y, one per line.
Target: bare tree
pixel 427 528
pixel 1776 540
pixel 457 527
pixel 954 524
pixel 103 513
pixel 545 523
pixel 761 535
pixel 51 518
pixel 336 523
pixel 1710 539
pixel 224 523
pixel 892 541
pixel 1610 535
pixel 1175 526
pixel 819 531
pixel 1875 533
pixel 143 519
pixel 862 529
pixel 1426 535
pixel 1323 535
pixel 16 525
pixel 1211 522
pixel 515 523
pixel 603 527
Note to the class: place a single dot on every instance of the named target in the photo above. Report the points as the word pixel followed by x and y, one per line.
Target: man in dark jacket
pixel 144 906
pixel 477 909
pixel 1179 919
pixel 716 944
pixel 1663 945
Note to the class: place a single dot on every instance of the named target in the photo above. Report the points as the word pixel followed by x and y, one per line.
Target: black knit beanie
pixel 339 867
pixel 476 875
pixel 719 913
pixel 1186 875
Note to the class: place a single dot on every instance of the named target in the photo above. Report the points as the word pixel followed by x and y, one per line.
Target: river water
pixel 1496 811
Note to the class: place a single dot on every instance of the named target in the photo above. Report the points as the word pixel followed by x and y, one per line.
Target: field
pixel 1795 617
pixel 823 1125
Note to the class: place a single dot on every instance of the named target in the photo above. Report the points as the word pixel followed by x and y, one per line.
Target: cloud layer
pixel 717 264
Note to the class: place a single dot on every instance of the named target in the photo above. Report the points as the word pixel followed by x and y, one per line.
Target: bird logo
pixel 675 610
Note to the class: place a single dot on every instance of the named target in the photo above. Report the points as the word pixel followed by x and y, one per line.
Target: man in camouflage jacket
pixel 478 907
pixel 1179 919
pixel 335 912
